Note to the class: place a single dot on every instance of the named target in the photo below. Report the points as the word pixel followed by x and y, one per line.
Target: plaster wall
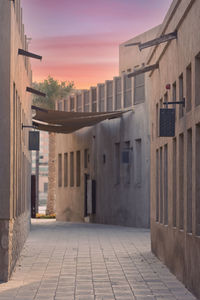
pixel 70 199
pixel 15 75
pixel 131 57
pixel 123 200
pixel 5 107
pixel 174 219
pixel 126 202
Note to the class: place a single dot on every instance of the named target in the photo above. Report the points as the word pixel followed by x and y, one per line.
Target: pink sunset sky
pixel 79 39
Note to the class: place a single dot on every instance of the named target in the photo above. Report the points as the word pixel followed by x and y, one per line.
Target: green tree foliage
pixel 53 89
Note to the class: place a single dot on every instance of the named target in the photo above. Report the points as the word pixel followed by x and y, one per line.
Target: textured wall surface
pixel 122 199
pixel 19 230
pixel 15 110
pixel 4 249
pixel 175 198
pixel 51 203
pixel 13 234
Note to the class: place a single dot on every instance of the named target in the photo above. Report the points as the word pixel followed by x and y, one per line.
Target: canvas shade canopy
pixel 68 122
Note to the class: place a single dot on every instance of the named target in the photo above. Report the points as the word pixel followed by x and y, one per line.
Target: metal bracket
pixel 132 44
pixel 143 70
pixel 29 54
pixel 175 102
pixel 159 40
pixel 34 91
pixel 28 126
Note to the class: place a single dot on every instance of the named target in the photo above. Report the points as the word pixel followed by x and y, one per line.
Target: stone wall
pixel 4 249
pixel 13 234
pixel 19 230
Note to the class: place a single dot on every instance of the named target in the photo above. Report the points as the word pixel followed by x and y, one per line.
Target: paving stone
pixel 146 298
pixel 82 292
pixel 7 298
pixel 85 297
pixel 64 298
pixel 124 298
pixel 104 298
pixel 62 261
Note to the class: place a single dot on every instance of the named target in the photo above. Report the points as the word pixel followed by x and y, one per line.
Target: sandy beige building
pixel 175 164
pixel 15 161
pixel 103 171
pixel 43 157
pixel 105 161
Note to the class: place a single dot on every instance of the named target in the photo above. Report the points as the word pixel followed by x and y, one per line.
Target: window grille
pixel 86 101
pixel 118 92
pixel 71 103
pixel 127 92
pixel 94 100
pixel 139 88
pixel 110 96
pixel 101 97
pixel 79 103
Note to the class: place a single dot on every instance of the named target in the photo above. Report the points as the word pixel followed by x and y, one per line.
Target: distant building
pixel 43 168
pixel 42 157
pixel 175 161
pixel 104 171
pixel 15 160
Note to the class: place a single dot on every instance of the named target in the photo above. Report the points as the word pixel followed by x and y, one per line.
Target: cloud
pixel 78 58
pixel 87 8
pixel 79 39
pixel 84 75
pixel 90 40
pixel 61 17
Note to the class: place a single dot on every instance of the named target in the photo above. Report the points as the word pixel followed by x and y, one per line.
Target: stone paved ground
pixel 65 261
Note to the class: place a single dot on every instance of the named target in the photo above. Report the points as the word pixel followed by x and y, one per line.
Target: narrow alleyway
pixel 65 261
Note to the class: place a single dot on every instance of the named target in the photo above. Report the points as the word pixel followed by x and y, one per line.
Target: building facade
pixel 103 171
pixel 15 160
pixel 40 166
pixel 43 168
pixel 175 163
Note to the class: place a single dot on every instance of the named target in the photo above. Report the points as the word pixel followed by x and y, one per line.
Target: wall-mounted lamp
pixel 34 140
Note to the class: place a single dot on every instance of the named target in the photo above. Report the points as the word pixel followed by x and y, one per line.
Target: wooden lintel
pixel 36 92
pixel 132 44
pixel 28 54
pixel 144 70
pixel 157 41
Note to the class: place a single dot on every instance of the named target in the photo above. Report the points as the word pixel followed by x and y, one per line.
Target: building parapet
pixel 118 94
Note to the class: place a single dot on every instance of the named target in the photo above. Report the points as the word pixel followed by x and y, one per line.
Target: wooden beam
pixel 157 41
pixel 28 54
pixel 132 44
pixel 36 92
pixel 143 70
